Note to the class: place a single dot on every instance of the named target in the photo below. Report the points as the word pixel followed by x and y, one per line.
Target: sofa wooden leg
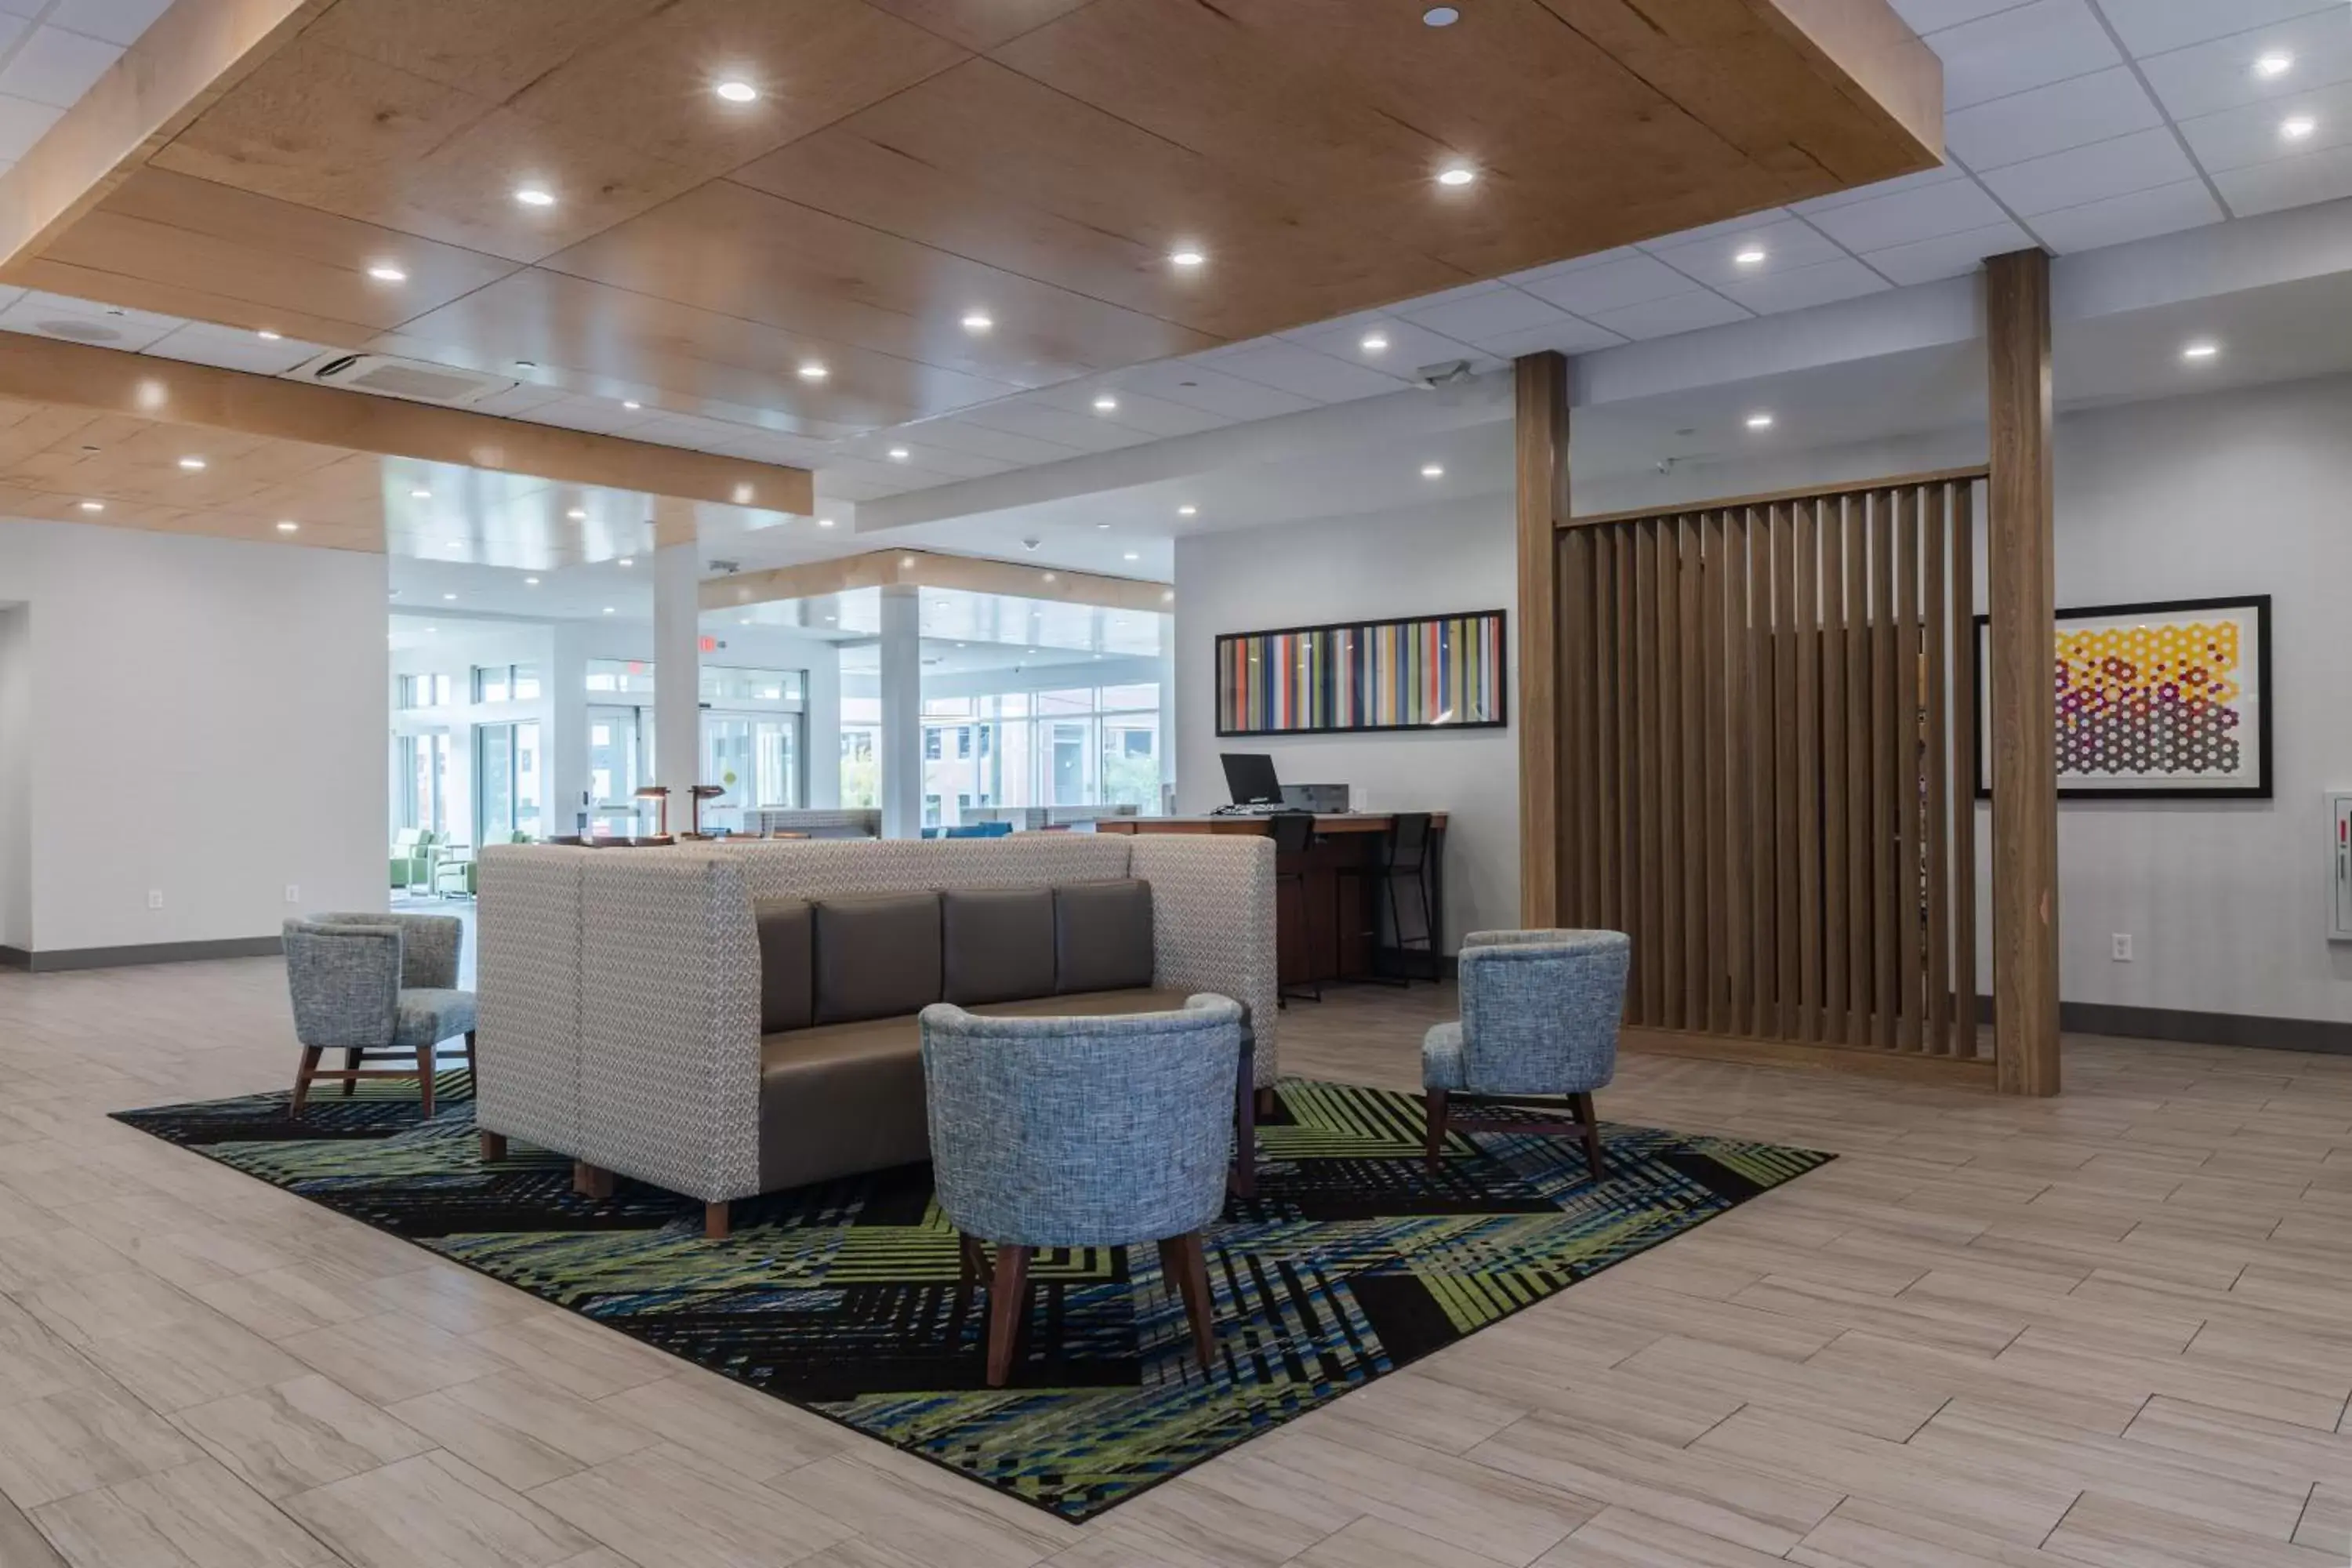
pixel 1266 1104
pixel 591 1181
pixel 352 1058
pixel 1182 1260
pixel 303 1079
pixel 1008 1304
pixel 1582 1103
pixel 1436 1099
pixel 425 1068
pixel 494 1148
pixel 716 1221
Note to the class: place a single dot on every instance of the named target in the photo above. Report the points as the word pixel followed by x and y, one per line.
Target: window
pixel 930 745
pixel 619 742
pixel 423 761
pixel 756 759
pixel 507 781
pixel 607 675
pixel 1070 746
pixel 729 686
pixel 861 738
pixel 423 691
pixel 506 682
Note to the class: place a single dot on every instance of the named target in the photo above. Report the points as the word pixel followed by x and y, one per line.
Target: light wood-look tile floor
pixel 2110 1329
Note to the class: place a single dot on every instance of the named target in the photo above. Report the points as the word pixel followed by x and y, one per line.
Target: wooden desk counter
pixel 1330 907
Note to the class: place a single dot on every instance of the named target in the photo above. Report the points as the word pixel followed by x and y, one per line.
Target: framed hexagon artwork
pixel 2164 699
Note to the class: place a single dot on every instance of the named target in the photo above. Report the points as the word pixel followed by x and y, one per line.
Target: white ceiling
pixel 50 53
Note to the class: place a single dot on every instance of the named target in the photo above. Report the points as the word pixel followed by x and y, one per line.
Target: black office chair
pixel 1409 857
pixel 1294 833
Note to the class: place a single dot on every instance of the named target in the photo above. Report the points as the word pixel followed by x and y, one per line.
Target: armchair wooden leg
pixel 1436 1099
pixel 424 1065
pixel 1582 1104
pixel 717 1219
pixel 1182 1260
pixel 303 1079
pixel 1266 1104
pixel 352 1058
pixel 1008 1304
pixel 470 1052
pixel 591 1181
pixel 494 1148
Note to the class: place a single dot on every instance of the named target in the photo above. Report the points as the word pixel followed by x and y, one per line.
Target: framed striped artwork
pixel 1432 672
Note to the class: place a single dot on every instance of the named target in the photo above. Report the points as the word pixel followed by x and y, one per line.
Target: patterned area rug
pixel 1353 1261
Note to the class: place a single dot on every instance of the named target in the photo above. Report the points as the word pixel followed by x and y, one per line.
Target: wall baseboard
pixel 2326 1036
pixel 49 960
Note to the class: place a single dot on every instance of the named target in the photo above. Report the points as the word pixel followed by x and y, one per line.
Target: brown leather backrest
pixel 1102 936
pixel 787 964
pixel 878 957
pixel 997 944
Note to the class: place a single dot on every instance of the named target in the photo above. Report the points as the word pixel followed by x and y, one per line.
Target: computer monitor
pixel 1249 778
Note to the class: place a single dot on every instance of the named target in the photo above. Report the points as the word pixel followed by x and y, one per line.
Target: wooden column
pixel 1542 433
pixel 2023 607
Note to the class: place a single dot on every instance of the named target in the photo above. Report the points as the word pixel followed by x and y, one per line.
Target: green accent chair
pixel 412 857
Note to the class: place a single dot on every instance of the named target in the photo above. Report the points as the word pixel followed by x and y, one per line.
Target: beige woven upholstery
pixel 620 988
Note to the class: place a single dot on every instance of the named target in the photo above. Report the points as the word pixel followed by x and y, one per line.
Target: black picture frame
pixel 1502 675
pixel 2262 789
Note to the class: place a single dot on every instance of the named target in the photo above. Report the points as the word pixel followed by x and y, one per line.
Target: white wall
pixel 17 777
pixel 207 720
pixel 1425 561
pixel 2229 493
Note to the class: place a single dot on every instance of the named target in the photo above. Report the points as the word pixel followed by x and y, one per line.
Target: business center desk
pixel 1332 911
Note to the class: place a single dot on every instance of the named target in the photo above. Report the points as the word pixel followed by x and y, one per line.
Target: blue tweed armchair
pixel 375 984
pixel 1540 1013
pixel 1081 1133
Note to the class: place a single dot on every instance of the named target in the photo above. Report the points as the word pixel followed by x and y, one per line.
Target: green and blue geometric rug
pixel 1353 1261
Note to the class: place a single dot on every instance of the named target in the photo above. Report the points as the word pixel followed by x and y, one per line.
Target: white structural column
pixel 678 676
pixel 565 808
pixel 902 710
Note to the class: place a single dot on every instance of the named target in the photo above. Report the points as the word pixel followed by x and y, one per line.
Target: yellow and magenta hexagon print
pixel 2163 699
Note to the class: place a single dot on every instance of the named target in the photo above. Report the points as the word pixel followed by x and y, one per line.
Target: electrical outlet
pixel 154 898
pixel 2123 947
pixel 293 894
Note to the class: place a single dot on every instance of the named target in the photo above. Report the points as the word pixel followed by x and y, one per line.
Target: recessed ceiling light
pixel 1432 470
pixel 1131 555
pixel 92 505
pixel 2201 350
pixel 1102 528
pixel 2278 62
pixel 432 631
pixel 420 495
pixel 1105 403
pixel 906 561
pixel 830 619
pixel 1374 342
pixel 266 335
pixel 736 91
pixel 1185 258
pixel 1188 509
pixel 1751 257
pixel 1049 576
pixel 978 321
pixel 608 609
pixel 811 371
pixel 535 196
pixel 1760 421
pixel 530 582
pixel 631 404
pixel 385 272
pixel 448 595
pixel 2296 127
pixel 1456 174
pixel 578 514
pixel 625 560
pixel 456 544
pixel 192 464
pixel 1440 16
pixel 1029 650
pixel 287 527
pixel 825 522
pixel 899 454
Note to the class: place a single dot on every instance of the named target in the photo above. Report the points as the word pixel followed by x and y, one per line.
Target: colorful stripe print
pixel 1389 675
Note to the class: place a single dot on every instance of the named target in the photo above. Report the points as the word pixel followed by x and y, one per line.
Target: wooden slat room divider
pixel 1766 711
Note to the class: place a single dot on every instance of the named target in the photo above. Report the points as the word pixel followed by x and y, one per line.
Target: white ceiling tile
pixel 2160 210
pixel 2219 74
pixel 1922 212
pixel 1631 279
pixel 1198 386
pixel 116 21
pixel 1929 16
pixel 962 435
pixel 1489 314
pixel 2104 169
pixel 1949 255
pixel 2322 176
pixel 1408 346
pixel 1680 313
pixel 1290 368
pixel 2051 119
pixel 12 27
pixel 1568 336
pixel 600 415
pixel 2010 51
pixel 1789 244
pixel 105 325
pixel 2152 26
pixel 2250 134
pixel 22 124
pixel 1573 264
pixel 232 348
pixel 55 66
pixel 1144 415
pixel 1896 186
pixel 518 400
pixel 1731 226
pixel 1801 286
pixel 1088 432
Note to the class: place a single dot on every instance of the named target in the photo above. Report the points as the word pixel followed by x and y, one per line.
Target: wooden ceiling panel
pixel 283 264
pixel 737 252
pixel 488 51
pixel 813 61
pixel 979 24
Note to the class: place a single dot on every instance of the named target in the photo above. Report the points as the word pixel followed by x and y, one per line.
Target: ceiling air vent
pixel 389 377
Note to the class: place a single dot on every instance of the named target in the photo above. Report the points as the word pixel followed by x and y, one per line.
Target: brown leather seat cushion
pixel 996 943
pixel 841 1099
pixel 787 986
pixel 1102 936
pixel 878 957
